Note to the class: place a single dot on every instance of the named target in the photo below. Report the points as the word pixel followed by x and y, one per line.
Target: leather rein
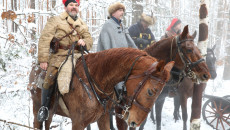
pixel 131 100
pixel 188 64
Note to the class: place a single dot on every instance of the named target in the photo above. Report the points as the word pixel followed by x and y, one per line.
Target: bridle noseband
pixel 188 64
pixel 133 99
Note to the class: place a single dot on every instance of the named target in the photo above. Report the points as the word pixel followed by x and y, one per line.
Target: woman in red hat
pixel 173 29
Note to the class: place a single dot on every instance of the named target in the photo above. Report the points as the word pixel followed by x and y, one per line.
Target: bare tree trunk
pixel 226 75
pixel 32 4
pixel 53 3
pixel 137 10
pixel 203 27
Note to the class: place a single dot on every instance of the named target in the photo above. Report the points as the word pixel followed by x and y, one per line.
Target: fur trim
pixel 114 7
pixel 149 19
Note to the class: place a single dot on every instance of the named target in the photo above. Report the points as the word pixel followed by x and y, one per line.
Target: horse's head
pixel 143 89
pixel 189 58
pixel 211 60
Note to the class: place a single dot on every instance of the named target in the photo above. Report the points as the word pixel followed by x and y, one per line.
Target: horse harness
pixel 131 100
pixel 188 64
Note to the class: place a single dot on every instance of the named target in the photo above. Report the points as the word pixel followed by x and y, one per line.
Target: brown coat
pixel 58 26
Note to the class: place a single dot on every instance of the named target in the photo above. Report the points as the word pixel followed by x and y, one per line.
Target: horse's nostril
pixel 133 124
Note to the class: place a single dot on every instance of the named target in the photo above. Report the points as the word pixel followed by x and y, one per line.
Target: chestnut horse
pixel 188 62
pixel 145 76
pixel 185 90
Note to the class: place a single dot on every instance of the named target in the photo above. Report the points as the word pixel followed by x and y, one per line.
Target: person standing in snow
pixel 67 28
pixel 113 33
pixel 140 32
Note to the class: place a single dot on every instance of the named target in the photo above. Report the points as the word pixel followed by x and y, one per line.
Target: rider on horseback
pixel 67 28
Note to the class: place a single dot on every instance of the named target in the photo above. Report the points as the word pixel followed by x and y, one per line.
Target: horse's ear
pixel 167 70
pixel 194 35
pixel 160 65
pixel 185 32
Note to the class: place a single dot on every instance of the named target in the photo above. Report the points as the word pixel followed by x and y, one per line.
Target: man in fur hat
pixel 67 28
pixel 113 33
pixel 140 32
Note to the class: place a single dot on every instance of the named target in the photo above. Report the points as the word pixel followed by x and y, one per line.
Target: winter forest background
pixel 22 21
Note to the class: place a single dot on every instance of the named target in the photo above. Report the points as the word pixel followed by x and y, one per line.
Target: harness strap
pixel 147 110
pixel 89 78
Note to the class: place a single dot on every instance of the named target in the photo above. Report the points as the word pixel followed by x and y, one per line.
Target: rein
pixel 133 99
pixel 188 64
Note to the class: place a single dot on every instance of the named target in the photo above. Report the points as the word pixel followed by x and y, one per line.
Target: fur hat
pixel 147 18
pixel 66 2
pixel 114 7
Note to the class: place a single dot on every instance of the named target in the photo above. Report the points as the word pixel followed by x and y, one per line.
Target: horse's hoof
pixel 43 114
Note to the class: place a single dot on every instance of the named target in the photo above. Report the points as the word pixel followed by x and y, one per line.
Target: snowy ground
pixel 16 106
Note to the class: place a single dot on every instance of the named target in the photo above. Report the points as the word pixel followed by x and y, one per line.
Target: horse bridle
pixel 188 64
pixel 132 99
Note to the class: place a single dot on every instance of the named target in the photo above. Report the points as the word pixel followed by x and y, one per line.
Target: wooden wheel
pixel 216 113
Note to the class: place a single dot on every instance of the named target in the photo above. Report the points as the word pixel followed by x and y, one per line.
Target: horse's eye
pixel 189 51
pixel 150 92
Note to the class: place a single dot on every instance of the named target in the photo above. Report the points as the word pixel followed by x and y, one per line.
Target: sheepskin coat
pixel 59 26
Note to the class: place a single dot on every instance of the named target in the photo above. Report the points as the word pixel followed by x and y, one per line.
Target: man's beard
pixel 73 15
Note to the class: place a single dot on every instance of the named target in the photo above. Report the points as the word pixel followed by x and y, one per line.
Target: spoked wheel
pixel 216 113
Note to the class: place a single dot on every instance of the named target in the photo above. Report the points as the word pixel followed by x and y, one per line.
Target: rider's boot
pixel 43 112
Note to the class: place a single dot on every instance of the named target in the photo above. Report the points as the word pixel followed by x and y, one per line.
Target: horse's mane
pixel 153 50
pixel 114 56
pixel 113 61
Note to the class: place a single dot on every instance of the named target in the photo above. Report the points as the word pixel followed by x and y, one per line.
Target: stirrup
pixel 43 114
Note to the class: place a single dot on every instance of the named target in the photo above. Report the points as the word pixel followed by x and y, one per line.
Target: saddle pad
pixel 65 74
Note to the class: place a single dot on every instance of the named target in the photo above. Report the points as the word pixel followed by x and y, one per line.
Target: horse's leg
pixel 36 98
pixel 76 125
pixel 103 122
pixel 48 122
pixel 37 124
pixel 158 109
pixel 196 105
pixel 184 111
pixel 176 113
pixel 111 119
pixel 152 116
pixel 121 124
pixel 88 127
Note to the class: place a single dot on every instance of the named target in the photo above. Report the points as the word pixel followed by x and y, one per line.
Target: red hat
pixel 66 2
pixel 174 22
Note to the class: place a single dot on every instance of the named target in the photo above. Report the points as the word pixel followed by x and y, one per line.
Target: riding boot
pixel 43 112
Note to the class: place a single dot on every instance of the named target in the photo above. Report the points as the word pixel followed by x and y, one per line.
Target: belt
pixel 68 47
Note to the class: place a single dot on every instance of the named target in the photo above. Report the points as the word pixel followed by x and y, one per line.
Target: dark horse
pixel 188 62
pixel 185 89
pixel 145 82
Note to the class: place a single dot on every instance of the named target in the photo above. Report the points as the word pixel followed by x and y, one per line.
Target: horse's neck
pixel 108 76
pixel 162 51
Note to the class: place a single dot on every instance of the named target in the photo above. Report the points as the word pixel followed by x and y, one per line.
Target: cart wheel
pixel 216 113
